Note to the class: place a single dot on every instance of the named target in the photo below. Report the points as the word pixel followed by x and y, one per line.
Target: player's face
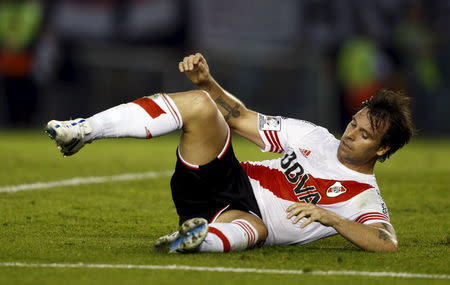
pixel 360 144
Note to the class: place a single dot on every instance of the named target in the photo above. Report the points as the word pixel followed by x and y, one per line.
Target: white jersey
pixel 308 172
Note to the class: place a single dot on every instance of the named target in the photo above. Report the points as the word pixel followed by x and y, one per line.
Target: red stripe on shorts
pixel 213 219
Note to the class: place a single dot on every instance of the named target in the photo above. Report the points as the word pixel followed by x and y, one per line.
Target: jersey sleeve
pixel 370 208
pixel 278 133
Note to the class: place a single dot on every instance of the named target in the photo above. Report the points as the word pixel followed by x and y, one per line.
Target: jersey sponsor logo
pixel 335 190
pixel 269 123
pixel 295 174
pixel 291 181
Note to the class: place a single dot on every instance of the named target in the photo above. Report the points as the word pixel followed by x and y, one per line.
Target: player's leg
pixel 235 230
pixel 148 117
pixel 204 138
pixel 145 117
pixel 205 131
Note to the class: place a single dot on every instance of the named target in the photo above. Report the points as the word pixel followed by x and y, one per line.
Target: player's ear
pixel 383 149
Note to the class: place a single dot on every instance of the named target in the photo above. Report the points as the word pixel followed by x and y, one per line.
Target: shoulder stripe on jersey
pixel 277 141
pixel 371 216
pixel 274 141
pixel 272 144
pixel 268 139
pixel 272 136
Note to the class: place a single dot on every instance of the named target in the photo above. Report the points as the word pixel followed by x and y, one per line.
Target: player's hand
pixel 312 213
pixel 196 69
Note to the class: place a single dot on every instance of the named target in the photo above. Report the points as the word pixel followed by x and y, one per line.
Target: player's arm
pixel 373 237
pixel 240 119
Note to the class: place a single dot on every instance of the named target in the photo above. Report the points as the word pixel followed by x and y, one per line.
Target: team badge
pixel 335 190
pixel 269 123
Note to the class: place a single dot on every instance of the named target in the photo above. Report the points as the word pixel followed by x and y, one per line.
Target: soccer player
pixel 322 186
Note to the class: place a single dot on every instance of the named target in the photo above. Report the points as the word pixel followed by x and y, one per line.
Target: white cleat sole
pixel 189 237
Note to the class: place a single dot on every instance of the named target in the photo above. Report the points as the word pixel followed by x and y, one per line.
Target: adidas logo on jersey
pixel 305 152
pixel 335 190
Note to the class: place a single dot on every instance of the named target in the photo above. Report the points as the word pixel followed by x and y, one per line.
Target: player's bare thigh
pixel 229 216
pixel 205 130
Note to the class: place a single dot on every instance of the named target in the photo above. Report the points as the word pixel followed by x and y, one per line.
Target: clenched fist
pixel 196 69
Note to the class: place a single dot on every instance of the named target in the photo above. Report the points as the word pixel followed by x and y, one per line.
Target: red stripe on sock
pixel 172 110
pixel 252 233
pixel 250 236
pixel 150 107
pixel 223 238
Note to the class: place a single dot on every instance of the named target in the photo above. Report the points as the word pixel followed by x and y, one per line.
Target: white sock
pixel 224 237
pixel 145 117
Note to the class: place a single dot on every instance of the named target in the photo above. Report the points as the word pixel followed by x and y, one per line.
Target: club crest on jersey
pixel 269 123
pixel 335 190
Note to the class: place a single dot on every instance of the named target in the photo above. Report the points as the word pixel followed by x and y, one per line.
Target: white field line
pixel 227 269
pixel 146 175
pixel 84 180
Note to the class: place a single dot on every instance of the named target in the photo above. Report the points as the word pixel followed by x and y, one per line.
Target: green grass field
pixel 117 222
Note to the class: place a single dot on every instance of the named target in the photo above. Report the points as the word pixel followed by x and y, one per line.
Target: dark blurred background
pixel 310 59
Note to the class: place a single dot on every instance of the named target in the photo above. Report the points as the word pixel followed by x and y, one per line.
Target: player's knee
pixel 203 106
pixel 262 231
pixel 196 106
